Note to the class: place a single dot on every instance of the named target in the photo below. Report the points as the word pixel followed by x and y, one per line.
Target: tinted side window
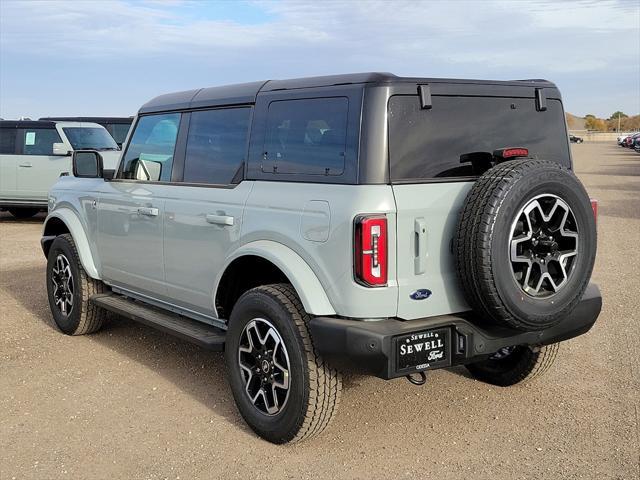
pixel 306 136
pixel 431 143
pixel 39 141
pixel 119 131
pixel 216 145
pixel 150 152
pixel 8 140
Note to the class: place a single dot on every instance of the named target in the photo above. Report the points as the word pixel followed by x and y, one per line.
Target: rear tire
pixel 268 334
pixel 69 289
pixel 520 365
pixel 23 213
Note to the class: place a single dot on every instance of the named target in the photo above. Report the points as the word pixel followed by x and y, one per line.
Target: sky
pixel 107 58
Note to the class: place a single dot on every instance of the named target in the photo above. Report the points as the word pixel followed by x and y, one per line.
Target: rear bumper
pixel 370 346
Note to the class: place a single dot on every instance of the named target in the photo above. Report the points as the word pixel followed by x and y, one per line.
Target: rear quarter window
pixel 428 143
pixel 306 136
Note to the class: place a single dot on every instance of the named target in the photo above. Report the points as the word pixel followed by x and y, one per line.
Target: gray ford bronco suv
pixel 364 222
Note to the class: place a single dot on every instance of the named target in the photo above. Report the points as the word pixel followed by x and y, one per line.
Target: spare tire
pixel 525 244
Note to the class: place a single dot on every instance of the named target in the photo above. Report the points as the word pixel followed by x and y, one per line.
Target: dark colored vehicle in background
pixel 574 139
pixel 118 127
pixel 633 140
pixel 629 140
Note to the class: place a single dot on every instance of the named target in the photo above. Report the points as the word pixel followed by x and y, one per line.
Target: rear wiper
pixel 480 161
pixel 483 161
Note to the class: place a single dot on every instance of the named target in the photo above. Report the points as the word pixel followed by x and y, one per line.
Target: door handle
pixel 148 211
pixel 26 165
pixel 219 219
pixel 420 233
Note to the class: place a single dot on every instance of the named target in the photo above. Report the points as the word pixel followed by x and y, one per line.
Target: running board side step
pixel 193 331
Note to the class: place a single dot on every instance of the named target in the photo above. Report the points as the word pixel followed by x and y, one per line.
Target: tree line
pixel 619 119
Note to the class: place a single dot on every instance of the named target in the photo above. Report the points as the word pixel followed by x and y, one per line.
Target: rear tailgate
pixel 433 162
pixel 426 222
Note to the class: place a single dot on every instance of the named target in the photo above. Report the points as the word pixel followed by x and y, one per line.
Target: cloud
pixel 466 31
pixel 214 43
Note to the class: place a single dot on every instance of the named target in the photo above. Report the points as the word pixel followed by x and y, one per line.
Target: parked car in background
pixel 118 127
pixel 33 154
pixel 630 139
pixel 621 138
pixel 575 139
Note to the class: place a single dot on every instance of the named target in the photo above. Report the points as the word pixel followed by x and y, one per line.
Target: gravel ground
pixel 130 402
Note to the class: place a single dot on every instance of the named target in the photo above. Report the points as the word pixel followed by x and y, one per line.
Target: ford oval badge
pixel 421 294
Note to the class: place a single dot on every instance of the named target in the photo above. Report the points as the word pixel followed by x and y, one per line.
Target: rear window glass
pixel 428 143
pixel 119 131
pixel 306 136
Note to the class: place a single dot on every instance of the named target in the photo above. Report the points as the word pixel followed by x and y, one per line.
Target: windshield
pixel 94 138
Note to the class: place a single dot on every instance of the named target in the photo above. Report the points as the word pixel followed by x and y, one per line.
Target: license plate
pixel 423 350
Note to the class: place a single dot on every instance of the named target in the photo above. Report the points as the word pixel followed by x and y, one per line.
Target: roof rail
pixel 535 80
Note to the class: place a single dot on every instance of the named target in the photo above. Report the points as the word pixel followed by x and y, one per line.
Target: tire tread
pixel 325 383
pixel 92 317
pixel 530 364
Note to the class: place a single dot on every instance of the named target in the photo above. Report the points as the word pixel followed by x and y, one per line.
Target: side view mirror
pixel 61 150
pixel 87 164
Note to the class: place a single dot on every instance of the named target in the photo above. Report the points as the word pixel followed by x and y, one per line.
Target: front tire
pixel 513 365
pixel 282 387
pixel 69 289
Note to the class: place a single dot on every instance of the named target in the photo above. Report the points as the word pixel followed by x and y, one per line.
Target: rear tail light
pixel 370 250
pixel 594 207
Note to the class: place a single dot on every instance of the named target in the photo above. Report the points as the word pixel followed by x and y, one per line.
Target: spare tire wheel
pixel 525 244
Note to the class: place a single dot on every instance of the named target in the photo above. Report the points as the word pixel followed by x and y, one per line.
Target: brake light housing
pixel 511 152
pixel 370 250
pixel 594 207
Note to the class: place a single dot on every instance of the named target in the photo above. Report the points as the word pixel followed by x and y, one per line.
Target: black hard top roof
pixel 245 93
pixel 127 120
pixel 26 124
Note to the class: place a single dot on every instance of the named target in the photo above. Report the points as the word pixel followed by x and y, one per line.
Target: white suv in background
pixel 34 154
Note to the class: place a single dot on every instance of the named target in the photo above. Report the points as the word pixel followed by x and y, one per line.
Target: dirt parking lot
pixel 130 402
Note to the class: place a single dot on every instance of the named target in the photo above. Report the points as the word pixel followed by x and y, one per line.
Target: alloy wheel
pixel 63 285
pixel 543 246
pixel 264 364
